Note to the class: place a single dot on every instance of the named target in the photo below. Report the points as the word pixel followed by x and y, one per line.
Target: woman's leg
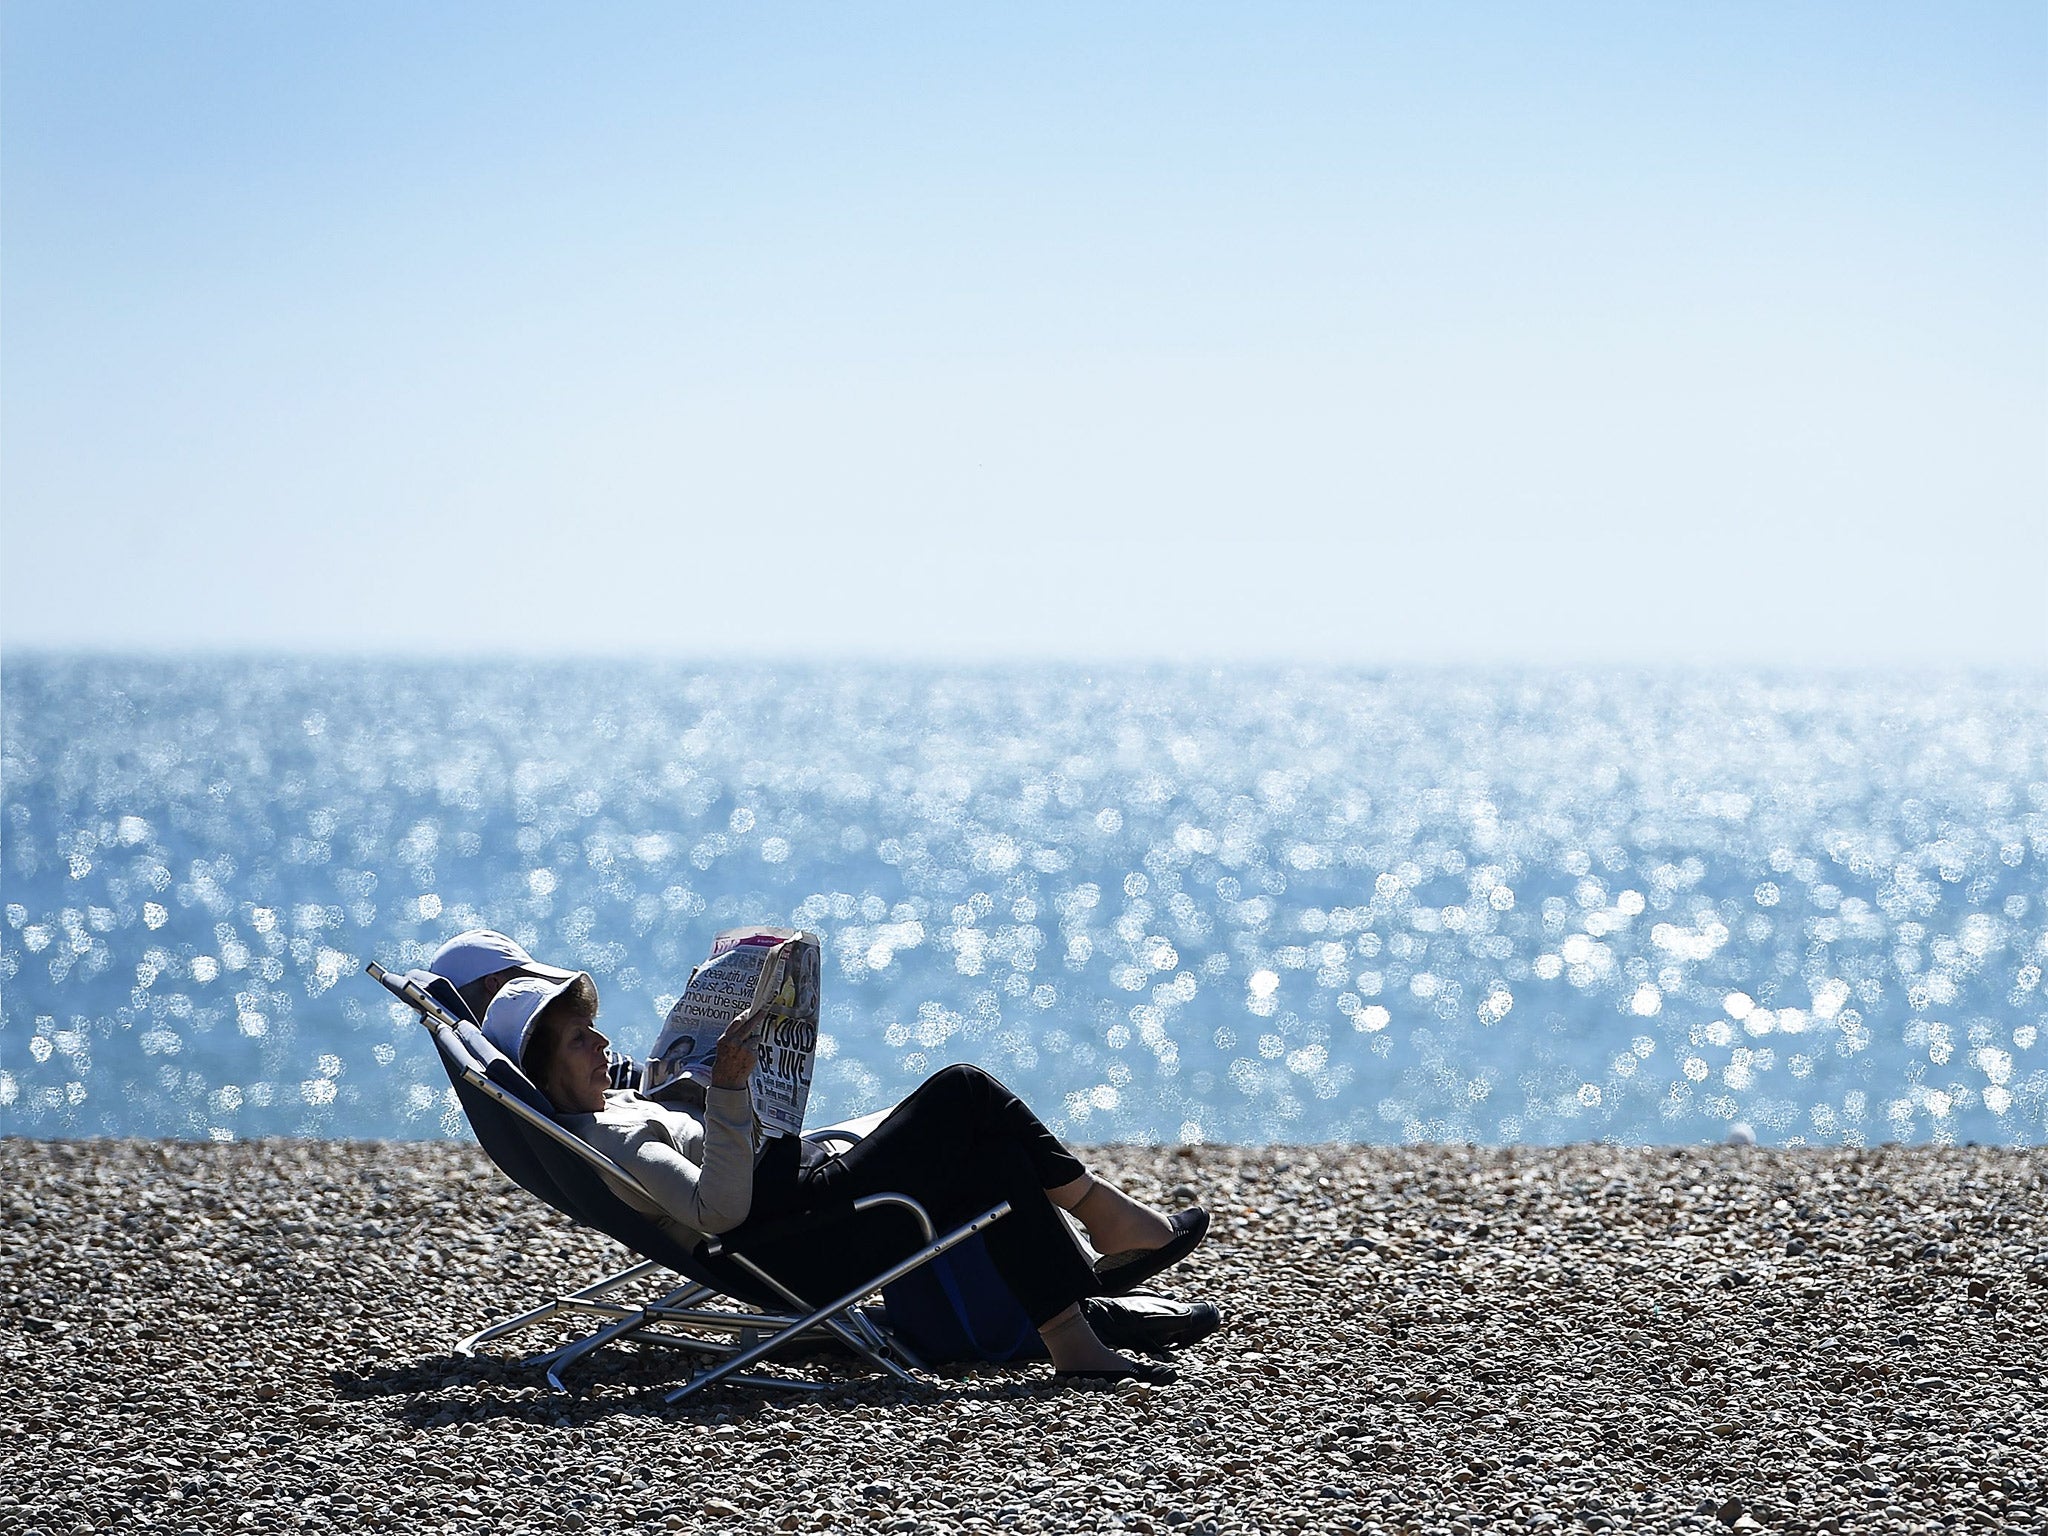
pixel 961 1101
pixel 967 1105
pixel 957 1149
pixel 1116 1223
pixel 1071 1345
pixel 958 1145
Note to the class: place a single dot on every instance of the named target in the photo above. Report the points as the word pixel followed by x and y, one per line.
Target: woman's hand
pixel 733 1065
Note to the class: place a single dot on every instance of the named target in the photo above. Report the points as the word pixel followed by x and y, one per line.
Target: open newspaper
pixel 776 972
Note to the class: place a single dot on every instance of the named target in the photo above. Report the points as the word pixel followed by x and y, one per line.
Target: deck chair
pixel 729 1312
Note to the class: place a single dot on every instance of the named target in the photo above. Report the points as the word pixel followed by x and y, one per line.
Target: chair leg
pixel 857 1332
pixel 644 1325
pixel 874 1351
pixel 565 1303
pixel 570 1353
pixel 874 1336
pixel 871 1344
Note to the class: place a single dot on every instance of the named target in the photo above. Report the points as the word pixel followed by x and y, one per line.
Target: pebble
pixel 1463 1340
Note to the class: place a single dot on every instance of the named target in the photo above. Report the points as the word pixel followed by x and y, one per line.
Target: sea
pixel 1166 904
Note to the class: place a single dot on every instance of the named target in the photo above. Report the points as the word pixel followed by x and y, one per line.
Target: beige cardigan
pixel 701 1173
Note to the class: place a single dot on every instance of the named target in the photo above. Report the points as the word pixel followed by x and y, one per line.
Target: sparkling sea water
pixel 1244 905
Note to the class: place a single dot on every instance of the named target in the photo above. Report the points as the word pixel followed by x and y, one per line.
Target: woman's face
pixel 574 1074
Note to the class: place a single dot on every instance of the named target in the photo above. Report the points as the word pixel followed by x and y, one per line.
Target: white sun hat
pixel 508 1022
pixel 484 952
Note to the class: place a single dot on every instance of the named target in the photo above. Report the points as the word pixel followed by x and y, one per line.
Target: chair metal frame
pixel 702 1316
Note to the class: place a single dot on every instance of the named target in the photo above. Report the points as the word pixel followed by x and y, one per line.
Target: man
pixel 481 961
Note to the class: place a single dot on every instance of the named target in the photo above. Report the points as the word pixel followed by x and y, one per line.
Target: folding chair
pixel 729 1310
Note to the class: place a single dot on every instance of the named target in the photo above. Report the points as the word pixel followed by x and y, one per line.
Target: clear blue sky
pixel 1663 333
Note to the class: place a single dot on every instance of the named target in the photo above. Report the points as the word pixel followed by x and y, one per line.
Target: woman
pixel 958 1145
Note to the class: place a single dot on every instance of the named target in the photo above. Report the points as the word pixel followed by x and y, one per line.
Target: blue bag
pixel 957 1308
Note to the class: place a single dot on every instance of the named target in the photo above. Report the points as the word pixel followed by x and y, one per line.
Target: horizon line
pixel 2020 669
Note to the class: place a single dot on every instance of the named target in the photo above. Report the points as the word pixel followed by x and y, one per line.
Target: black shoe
pixel 1149 1324
pixel 1122 1273
pixel 1155 1375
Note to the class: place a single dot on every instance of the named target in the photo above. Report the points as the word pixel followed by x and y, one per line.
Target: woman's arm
pixel 713 1197
pixel 715 1194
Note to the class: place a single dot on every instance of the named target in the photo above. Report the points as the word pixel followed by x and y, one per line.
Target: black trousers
pixel 957 1145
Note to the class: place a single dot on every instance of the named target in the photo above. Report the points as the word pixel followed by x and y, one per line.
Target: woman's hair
pixel 576 1001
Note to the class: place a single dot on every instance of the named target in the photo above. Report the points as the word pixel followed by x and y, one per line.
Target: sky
pixel 1630 334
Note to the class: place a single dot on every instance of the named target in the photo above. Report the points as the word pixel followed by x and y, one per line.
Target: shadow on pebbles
pixel 1428 1339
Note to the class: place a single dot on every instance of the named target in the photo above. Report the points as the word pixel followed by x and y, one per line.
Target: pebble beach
pixel 1428 1339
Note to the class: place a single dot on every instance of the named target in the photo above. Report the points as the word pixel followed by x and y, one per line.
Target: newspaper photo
pixel 774 970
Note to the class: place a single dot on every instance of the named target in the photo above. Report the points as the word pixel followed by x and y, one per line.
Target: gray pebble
pixel 1417 1339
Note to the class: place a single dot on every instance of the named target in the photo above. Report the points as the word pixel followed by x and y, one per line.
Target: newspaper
pixel 774 970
